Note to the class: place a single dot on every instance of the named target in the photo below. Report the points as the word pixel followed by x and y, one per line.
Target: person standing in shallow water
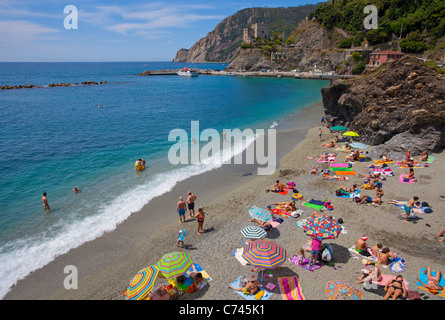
pixel 45 203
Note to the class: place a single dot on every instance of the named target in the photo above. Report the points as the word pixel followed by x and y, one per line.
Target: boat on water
pixel 187 72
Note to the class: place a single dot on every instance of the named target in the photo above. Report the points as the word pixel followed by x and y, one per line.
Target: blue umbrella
pixel 358 145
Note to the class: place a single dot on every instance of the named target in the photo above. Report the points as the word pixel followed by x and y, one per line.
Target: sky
pixel 133 30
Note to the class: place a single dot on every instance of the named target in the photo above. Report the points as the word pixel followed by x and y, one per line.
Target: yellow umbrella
pixel 351 134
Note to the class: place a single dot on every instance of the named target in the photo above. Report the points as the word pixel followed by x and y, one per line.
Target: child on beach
pixel 181 236
pixel 301 259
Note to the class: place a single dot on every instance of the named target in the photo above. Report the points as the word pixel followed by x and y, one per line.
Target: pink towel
pixel 339 165
pixel 290 288
pixel 402 181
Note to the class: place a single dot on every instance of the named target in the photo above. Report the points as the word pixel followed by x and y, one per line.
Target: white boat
pixel 187 72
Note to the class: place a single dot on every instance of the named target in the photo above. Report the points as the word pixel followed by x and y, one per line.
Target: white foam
pixel 21 257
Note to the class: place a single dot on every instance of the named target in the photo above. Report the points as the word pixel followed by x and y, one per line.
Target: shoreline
pixel 101 253
pixel 123 256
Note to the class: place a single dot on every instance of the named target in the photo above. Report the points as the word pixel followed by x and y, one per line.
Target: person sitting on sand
pixel 376 249
pixel 323 157
pixel 378 190
pixel 250 287
pixel 384 256
pixel 314 170
pixel 408 155
pixel 394 288
pixel 354 156
pixel 331 144
pixel 371 273
pixel 278 187
pixel 423 156
pixel 432 283
pixel 346 189
pixel 362 247
pixel 409 175
pixel 347 147
pixel 338 178
pixel 368 199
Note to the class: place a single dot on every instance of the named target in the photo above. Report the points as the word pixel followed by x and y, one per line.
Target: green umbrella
pixel 174 264
pixel 351 134
pixel 339 128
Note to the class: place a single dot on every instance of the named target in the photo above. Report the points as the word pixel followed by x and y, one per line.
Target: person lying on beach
pixel 354 156
pixel 409 163
pixel 395 288
pixel 250 287
pixel 314 170
pixel 423 156
pixel 286 205
pixel 432 283
pixel 331 144
pixel 159 294
pixel 323 157
pixel 338 178
pixel 371 273
pixel 384 256
pixel 195 275
pixel 267 226
pixel 377 166
pixel 368 199
pixel 346 189
pixel 278 187
pixel 370 176
pixel 317 214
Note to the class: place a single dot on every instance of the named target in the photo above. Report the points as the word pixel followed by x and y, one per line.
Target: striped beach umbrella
pixel 174 264
pixel 358 145
pixel 322 227
pixel 264 254
pixel 142 283
pixel 342 290
pixel 254 232
pixel 260 214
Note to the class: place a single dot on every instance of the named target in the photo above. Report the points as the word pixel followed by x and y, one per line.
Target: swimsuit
pixel 191 205
pixel 181 212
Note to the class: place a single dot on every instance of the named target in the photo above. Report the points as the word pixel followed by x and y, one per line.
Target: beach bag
pixel 291 184
pixel 326 255
pixel 425 204
pixel 427 210
pixel 413 295
pixel 192 288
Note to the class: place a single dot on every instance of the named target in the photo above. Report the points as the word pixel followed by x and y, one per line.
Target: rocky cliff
pixel 308 46
pixel 399 106
pixel 221 43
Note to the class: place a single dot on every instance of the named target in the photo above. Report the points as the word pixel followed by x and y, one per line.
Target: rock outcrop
pixel 399 106
pixel 221 43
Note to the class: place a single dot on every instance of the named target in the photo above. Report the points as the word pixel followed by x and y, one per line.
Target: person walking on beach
pixel 45 203
pixel 191 203
pixel 322 121
pixel 319 134
pixel 200 218
pixel 181 210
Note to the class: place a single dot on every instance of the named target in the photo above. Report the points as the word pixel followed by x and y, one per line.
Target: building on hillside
pixel 377 58
pixel 257 30
pixel 277 56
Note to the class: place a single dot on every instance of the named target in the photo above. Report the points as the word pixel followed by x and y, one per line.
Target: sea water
pixel 55 138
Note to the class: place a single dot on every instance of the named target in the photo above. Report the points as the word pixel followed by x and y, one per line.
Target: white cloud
pixel 21 31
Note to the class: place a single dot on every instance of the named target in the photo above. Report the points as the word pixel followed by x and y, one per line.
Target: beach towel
pixel 423 278
pixel 315 204
pixel 306 266
pixel 238 254
pixel 350 194
pixel 388 277
pixel 381 161
pixel 283 192
pixel 284 214
pixel 398 265
pixel 346 173
pixel 266 295
pixel 336 179
pixel 300 223
pixel 401 180
pixel 429 160
pixel 370 258
pixel 338 165
pixel 290 288
pixel 330 159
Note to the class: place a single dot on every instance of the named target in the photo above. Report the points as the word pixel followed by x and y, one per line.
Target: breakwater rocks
pixel 63 84
pixel 399 106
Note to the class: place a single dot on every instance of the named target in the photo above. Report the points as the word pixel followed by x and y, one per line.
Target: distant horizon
pixel 114 30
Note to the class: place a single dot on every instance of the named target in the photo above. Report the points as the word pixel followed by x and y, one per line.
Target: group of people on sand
pixel 182 207
pixel 384 255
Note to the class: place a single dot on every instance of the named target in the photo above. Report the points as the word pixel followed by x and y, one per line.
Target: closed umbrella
pixel 339 128
pixel 254 232
pixel 358 145
pixel 264 254
pixel 174 264
pixel 342 290
pixel 351 134
pixel 322 227
pixel 142 283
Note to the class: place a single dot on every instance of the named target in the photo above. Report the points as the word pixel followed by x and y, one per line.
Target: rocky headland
pixel 399 106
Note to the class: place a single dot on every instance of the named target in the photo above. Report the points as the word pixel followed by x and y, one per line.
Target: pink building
pixel 377 58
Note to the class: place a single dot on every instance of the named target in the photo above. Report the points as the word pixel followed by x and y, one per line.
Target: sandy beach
pixel 107 264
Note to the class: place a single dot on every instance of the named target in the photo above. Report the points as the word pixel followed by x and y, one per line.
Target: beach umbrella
pixel 339 128
pixel 174 264
pixel 260 214
pixel 351 134
pixel 264 254
pixel 322 227
pixel 342 290
pixel 142 283
pixel 358 145
pixel 254 232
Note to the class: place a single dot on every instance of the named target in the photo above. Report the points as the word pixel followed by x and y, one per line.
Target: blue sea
pixel 53 139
